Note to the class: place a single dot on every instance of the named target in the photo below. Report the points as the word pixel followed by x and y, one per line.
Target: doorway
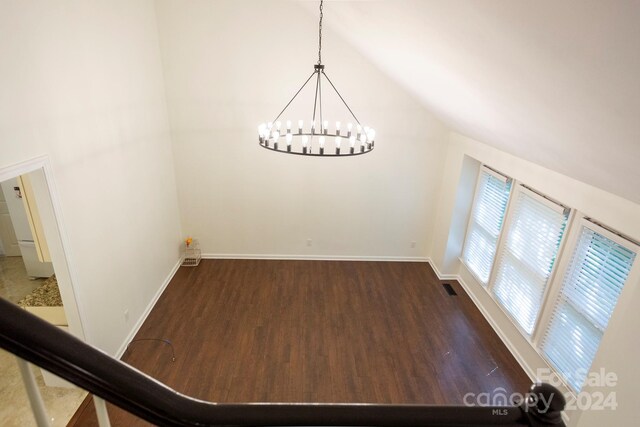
pixel 36 274
pixel 26 273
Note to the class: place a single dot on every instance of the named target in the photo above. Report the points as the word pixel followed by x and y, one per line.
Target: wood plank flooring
pixel 318 331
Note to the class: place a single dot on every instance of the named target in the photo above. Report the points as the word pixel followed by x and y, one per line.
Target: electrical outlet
pixel 309 242
pixel 126 315
pixel 413 244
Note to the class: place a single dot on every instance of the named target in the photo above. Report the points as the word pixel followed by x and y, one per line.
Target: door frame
pixel 55 233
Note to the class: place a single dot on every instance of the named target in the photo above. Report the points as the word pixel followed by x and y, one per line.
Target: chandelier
pixel 317 137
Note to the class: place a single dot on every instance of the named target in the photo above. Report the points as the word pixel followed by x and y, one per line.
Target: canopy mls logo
pixel 598 398
pixel 500 397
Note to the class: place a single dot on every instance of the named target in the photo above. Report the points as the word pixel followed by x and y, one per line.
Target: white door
pixel 7 235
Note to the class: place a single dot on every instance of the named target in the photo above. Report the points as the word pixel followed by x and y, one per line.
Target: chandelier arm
pixel 294 97
pixel 341 98
pixel 320 102
pixel 315 101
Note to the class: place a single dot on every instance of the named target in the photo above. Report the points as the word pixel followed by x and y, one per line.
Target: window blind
pixel 527 257
pixel 590 290
pixel 485 224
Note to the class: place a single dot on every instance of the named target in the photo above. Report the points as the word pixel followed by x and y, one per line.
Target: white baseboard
pixel 316 257
pixel 439 274
pixel 147 310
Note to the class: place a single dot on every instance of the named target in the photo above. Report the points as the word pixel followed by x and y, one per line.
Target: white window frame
pixel 517 188
pixel 503 177
pixel 565 263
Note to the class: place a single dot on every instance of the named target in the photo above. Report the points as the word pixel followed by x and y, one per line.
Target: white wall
pixel 619 347
pixel 82 84
pixel 228 67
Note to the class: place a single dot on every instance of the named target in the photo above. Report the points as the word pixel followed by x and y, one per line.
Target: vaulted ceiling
pixel 553 82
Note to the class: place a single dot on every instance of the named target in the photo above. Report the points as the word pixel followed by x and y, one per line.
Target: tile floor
pixel 61 403
pixel 14 282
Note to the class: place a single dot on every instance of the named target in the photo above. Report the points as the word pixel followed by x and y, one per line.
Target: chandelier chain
pixel 320 35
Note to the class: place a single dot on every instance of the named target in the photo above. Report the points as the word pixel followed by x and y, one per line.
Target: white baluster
pixel 101 411
pixel 35 399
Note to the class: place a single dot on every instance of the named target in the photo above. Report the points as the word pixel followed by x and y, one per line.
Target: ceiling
pixel 554 82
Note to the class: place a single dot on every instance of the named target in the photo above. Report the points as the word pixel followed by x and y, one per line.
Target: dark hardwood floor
pixel 318 331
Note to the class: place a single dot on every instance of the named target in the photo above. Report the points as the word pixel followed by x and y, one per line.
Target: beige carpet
pixel 15 284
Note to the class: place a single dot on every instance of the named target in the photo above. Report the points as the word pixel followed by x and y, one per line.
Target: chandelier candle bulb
pixel 337 145
pixel 325 126
pixel 288 126
pixel 300 124
pixel 305 140
pixel 349 127
pixel 338 128
pixel 276 136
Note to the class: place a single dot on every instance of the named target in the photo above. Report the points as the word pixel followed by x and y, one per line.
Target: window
pixel 527 257
pixel 598 270
pixel 564 320
pixel 486 221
